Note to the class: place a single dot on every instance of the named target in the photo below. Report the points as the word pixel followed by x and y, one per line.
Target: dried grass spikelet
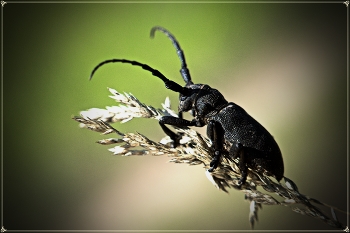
pixel 195 149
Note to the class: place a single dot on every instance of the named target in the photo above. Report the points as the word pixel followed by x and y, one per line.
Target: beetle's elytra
pixel 230 128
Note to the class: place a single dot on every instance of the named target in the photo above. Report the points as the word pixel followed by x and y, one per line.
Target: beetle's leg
pixel 173 136
pixel 216 135
pixel 237 150
pixel 170 120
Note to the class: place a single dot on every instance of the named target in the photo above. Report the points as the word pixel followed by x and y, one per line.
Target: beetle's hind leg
pixel 237 150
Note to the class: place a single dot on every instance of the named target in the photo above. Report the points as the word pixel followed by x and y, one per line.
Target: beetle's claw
pixel 242 180
pixel 213 164
pixel 176 141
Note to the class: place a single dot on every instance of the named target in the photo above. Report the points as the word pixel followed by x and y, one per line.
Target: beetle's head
pixel 200 99
pixel 188 97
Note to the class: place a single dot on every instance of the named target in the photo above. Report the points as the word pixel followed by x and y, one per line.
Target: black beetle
pixel 230 128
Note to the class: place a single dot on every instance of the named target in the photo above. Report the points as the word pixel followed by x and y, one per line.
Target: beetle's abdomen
pixel 262 150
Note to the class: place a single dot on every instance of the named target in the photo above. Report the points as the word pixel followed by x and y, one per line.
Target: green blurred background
pixel 284 63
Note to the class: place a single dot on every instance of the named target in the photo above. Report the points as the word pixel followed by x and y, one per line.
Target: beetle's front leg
pixel 170 120
pixel 215 133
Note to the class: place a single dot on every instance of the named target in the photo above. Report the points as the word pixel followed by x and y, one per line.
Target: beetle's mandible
pixel 230 128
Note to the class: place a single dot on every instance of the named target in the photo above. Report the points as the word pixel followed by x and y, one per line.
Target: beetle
pixel 230 128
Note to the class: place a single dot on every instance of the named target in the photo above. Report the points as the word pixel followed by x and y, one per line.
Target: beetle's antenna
pixel 185 72
pixel 168 83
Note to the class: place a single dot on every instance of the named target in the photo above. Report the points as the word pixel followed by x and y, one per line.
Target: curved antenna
pixel 168 83
pixel 185 72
